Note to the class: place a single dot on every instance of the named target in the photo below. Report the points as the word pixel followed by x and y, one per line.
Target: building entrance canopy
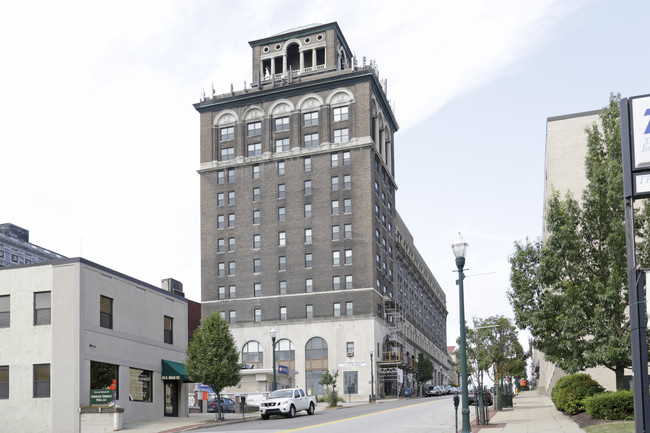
pixel 174 371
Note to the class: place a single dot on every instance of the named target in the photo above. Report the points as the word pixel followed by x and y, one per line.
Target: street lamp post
pixel 274 334
pixel 372 380
pixel 460 249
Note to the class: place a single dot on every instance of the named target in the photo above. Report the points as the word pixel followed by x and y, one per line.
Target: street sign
pixel 282 369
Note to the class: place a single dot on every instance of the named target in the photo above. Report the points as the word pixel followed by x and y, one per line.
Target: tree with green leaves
pixel 494 342
pixel 425 369
pixel 570 291
pixel 328 380
pixel 213 358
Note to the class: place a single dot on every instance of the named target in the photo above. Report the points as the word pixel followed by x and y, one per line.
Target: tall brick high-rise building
pixel 299 225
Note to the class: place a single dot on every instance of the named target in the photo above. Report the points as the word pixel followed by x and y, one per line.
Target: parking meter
pixel 456 401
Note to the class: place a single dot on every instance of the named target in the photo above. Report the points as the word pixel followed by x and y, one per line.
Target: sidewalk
pixel 532 413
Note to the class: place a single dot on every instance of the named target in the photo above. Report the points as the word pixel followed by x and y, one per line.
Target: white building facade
pixel 71 324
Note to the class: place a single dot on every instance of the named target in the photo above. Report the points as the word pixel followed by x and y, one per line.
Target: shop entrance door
pixel 171 398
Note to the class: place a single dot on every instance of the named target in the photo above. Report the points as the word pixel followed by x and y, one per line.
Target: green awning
pixel 174 371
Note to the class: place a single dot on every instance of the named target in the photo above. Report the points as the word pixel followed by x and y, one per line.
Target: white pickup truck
pixel 287 402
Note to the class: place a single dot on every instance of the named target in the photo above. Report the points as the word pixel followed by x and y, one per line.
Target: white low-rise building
pixel 69 326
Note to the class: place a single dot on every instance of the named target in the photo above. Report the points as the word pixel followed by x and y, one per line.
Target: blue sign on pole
pixel 282 369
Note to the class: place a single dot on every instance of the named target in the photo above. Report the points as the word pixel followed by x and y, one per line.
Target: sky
pixel 100 142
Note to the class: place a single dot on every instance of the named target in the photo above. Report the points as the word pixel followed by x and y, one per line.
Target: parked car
pixel 487 398
pixel 448 389
pixel 434 391
pixel 227 405
pixel 287 402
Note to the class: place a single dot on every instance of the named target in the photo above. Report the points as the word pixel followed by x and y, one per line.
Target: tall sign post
pixel 635 143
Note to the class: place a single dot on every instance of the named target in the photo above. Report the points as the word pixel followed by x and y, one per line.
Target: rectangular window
pixel 232 290
pixel 257 265
pixel 335 207
pixel 309 311
pixel 336 283
pixel 282 124
pixel 340 114
pixel 221 177
pixel 336 258
pixel 222 314
pixel 5 311
pixel 348 257
pixel 283 287
pixel 311 140
pixel 221 245
pixel 348 282
pixel 282 214
pixel 104 376
pixel 231 268
pixel 308 236
pixel 221 199
pixel 257 318
pixel 282 239
pixel 349 308
pixel 232 316
pixel 336 233
pixel 231 175
pixel 337 309
pixel 308 187
pixel 308 210
pixel 254 129
pixel 227 133
pixel 347 205
pixel 41 380
pixel 106 312
pixel 256 217
pixel 254 149
pixel 281 168
pixel 256 171
pixel 168 330
pixel 349 346
pixel 221 269
pixel 221 221
pixel 282 263
pixel 347 181
pixel 42 308
pixel 228 154
pixel 140 386
pixel 311 119
pixel 282 145
pixel 256 194
pixel 231 245
pixel 282 191
pixel 334 160
pixel 231 198
pixel 307 163
pixel 341 135
pixel 4 382
pixel 309 285
pixel 283 313
pixel 347 234
pixel 308 260
pixel 346 158
pixel 256 241
pixel 257 290
pixel 231 220
pixel 222 292
pixel 335 183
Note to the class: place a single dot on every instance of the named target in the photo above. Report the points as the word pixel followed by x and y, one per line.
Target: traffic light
pixel 523 383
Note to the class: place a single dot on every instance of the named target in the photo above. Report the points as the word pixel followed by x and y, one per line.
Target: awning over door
pixel 174 371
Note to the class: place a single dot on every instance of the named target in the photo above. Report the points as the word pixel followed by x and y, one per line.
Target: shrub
pixel 617 405
pixel 570 399
pixel 566 382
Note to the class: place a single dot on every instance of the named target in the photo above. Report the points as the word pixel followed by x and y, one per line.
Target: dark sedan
pixel 487 399
pixel 227 405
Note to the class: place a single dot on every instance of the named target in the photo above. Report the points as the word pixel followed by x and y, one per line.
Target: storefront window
pixel 104 376
pixel 140 385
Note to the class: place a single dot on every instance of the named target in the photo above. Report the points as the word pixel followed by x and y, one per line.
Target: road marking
pixel 358 416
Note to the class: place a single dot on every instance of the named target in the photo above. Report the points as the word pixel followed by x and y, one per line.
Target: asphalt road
pixel 417 415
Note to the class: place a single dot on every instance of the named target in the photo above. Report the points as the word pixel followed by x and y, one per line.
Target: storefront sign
pixel 101 396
